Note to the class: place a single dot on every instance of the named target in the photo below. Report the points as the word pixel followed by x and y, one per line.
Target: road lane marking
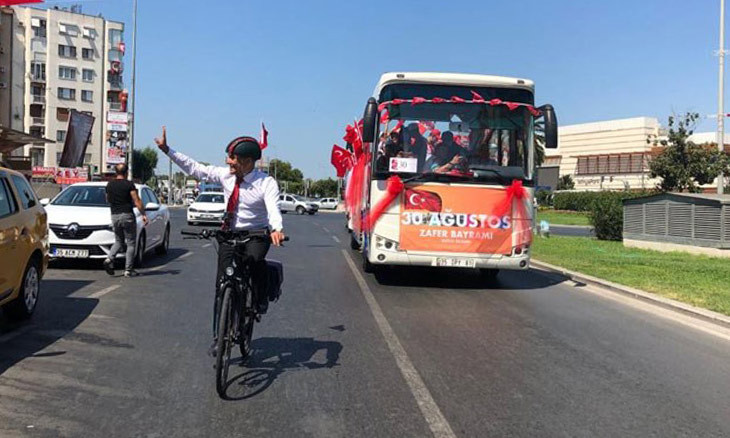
pixel 207 245
pixel 14 334
pixel 440 428
pixel 104 291
pixel 326 229
pixel 336 239
pixel 189 253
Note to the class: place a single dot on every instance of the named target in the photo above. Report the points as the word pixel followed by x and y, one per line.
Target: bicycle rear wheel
pixel 223 343
pixel 246 322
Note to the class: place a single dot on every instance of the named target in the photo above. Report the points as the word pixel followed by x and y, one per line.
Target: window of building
pixel 87 158
pixel 90 33
pixel 87 75
pixel 37 131
pixel 87 53
pixel 611 164
pixel 68 29
pixel 88 113
pixel 68 73
pixel 115 55
pixel 60 135
pixel 87 95
pixel 62 114
pixel 66 51
pixel 36 110
pixel 37 156
pixel 39 27
pixel 38 71
pixel 66 93
pixel 115 37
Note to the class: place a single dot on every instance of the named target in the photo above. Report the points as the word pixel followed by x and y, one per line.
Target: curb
pixel 677 306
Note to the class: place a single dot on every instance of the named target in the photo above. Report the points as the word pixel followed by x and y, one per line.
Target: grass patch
pixel 698 280
pixel 558 217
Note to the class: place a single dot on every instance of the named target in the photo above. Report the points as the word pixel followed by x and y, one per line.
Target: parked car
pixel 81 225
pixel 23 245
pixel 208 207
pixel 327 203
pixel 296 203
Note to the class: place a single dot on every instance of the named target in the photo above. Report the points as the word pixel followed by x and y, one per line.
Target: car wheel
pixel 165 245
pixel 24 305
pixel 139 254
pixel 301 210
pixel 312 213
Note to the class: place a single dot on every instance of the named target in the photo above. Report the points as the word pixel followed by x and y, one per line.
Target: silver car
pixel 296 203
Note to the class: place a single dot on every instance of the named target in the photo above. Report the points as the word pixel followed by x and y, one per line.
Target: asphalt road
pixel 413 353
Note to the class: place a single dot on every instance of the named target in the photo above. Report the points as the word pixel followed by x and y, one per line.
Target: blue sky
pixel 213 70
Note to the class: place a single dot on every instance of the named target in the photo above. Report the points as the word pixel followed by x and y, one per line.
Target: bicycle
pixel 234 310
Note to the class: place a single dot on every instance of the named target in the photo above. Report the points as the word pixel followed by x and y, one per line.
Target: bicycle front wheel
pixel 224 342
pixel 247 320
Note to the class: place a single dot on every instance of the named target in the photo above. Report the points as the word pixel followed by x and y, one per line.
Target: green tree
pixel 144 163
pixel 290 178
pixel 683 165
pixel 566 183
pixel 324 188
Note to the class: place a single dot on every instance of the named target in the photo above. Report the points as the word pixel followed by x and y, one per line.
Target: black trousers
pixel 254 252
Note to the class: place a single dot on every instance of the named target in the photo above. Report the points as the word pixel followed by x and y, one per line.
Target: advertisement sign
pixel 454 219
pixel 116 147
pixel 77 138
pixel 66 175
pixel 44 172
pixel 117 117
pixel 404 165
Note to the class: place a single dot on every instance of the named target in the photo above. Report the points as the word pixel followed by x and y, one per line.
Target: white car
pixel 328 203
pixel 80 223
pixel 209 207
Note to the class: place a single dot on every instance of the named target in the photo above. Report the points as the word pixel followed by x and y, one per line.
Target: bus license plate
pixel 72 253
pixel 450 262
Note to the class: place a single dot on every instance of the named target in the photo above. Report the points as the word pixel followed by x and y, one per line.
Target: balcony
pixel 38 98
pixel 38 44
pixel 38 78
pixel 115 106
pixel 38 121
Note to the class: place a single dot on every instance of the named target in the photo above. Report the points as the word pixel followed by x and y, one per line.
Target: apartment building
pixel 72 61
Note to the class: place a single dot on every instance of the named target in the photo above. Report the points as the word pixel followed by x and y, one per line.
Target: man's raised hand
pixel 162 142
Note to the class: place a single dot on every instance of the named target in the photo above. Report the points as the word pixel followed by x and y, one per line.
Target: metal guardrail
pixel 39 99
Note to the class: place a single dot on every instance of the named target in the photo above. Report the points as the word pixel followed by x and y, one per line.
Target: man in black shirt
pixel 122 197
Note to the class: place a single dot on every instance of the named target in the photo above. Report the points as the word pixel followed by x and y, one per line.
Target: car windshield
pixel 300 198
pixel 209 197
pixel 82 196
pixel 455 140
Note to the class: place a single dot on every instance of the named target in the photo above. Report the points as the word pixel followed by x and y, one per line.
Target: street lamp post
pixel 132 120
pixel 720 96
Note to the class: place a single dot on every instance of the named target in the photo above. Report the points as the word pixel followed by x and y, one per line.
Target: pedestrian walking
pixel 122 196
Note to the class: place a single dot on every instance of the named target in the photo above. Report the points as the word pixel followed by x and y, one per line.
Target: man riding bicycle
pixel 251 197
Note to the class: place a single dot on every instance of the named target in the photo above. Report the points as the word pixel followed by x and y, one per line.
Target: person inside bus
pixel 482 154
pixel 415 145
pixel 442 160
pixel 447 139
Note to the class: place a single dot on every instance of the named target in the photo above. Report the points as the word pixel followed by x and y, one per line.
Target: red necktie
pixel 228 221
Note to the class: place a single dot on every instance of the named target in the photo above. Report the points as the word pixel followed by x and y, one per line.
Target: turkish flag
pixel 494 102
pixel 457 99
pixel 511 105
pixel 396 101
pixel 417 100
pixel 385 117
pixel 422 200
pixel 476 97
pixel 264 141
pixel 438 100
pixel 341 159
pixel 18 2
pixel 350 134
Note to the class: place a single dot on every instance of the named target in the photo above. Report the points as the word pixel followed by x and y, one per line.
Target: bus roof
pixel 452 79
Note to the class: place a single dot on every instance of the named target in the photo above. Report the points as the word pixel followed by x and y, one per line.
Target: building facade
pixel 72 62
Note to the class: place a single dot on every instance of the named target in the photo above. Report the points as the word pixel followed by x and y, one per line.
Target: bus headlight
pixel 384 244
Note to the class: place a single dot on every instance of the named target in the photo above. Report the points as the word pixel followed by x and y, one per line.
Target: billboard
pixel 116 138
pixel 77 138
pixel 454 219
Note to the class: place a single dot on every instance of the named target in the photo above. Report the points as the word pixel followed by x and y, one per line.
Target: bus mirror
pixel 551 126
pixel 368 121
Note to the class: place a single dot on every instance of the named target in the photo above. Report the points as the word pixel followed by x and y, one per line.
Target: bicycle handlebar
pixel 223 235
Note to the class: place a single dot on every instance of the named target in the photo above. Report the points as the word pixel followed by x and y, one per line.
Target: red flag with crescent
pixel 342 160
pixel 422 200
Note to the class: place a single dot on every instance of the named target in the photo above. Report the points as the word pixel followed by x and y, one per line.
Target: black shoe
pixel 131 273
pixel 109 266
pixel 262 307
pixel 213 349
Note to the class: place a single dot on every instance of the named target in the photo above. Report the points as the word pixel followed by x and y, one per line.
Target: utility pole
pixel 169 183
pixel 132 120
pixel 721 96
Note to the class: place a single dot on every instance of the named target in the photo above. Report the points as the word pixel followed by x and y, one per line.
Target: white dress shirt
pixel 257 195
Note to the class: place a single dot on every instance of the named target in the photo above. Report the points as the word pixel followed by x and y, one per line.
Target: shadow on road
pixel 444 278
pixel 55 317
pixel 271 357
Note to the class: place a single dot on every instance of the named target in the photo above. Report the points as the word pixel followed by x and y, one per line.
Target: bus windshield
pixel 463 141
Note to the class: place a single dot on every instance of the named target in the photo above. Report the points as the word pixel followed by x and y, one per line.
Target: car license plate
pixel 207 216
pixel 71 253
pixel 451 262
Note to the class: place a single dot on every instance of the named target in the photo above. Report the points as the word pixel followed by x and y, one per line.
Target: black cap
pixel 245 147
